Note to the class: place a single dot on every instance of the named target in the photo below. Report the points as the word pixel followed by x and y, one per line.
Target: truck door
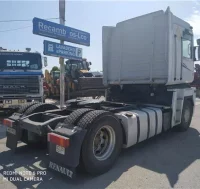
pixel 183 61
pixel 187 71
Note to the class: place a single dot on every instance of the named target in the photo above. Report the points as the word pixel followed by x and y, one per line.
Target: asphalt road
pixel 170 160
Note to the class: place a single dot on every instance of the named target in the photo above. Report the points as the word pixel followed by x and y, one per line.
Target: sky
pixel 88 16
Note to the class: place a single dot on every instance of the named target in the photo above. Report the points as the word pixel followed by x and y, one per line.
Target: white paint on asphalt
pixel 197 101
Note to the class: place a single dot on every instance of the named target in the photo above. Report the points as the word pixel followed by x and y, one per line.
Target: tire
pixel 40 107
pixel 74 117
pixel 23 108
pixel 96 121
pixel 186 118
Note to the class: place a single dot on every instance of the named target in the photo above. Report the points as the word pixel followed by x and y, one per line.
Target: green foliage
pixel 55 68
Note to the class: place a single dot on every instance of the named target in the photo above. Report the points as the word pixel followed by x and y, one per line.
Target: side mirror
pixel 198 42
pixel 198 49
pixel 45 62
pixel 90 63
pixel 198 53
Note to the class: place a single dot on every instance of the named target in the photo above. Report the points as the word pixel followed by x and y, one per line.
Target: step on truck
pixel 21 78
pixel 148 65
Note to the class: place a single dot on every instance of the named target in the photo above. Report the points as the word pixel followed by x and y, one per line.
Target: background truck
pixel 148 66
pixel 79 81
pixel 196 82
pixel 20 78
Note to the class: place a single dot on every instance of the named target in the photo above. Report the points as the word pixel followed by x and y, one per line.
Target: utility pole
pixel 61 60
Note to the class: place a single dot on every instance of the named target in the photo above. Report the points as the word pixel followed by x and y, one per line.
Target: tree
pixel 55 68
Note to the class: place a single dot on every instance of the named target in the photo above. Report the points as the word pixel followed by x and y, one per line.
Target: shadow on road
pixel 2 132
pixel 167 154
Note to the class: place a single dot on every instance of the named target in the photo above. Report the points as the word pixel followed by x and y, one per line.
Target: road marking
pixel 197 103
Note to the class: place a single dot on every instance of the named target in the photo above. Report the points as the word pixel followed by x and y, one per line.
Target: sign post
pixel 63 33
pixel 61 59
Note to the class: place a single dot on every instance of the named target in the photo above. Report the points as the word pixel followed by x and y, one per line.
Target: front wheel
pixel 103 141
pixel 186 118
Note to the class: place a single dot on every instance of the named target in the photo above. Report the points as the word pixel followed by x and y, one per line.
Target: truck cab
pixel 21 78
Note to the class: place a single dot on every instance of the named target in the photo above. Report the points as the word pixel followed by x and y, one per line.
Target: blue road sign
pixel 58 31
pixel 59 50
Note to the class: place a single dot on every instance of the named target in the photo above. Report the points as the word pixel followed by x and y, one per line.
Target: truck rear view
pixel 147 66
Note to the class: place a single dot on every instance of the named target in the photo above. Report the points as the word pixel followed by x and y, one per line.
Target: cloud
pixel 196 2
pixel 194 20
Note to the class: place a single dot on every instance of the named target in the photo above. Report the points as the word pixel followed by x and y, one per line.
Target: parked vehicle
pixel 21 79
pixel 79 81
pixel 196 82
pixel 148 66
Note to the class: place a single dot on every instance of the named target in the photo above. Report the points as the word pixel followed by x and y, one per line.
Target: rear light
pixel 8 122
pixel 59 140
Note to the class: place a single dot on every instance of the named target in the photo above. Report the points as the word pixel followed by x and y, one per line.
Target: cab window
pixel 187 46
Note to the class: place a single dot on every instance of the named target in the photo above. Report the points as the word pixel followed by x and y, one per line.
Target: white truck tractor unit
pixel 148 65
pixel 21 79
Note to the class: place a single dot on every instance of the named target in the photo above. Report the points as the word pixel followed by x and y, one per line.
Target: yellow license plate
pixel 60 149
pixel 21 101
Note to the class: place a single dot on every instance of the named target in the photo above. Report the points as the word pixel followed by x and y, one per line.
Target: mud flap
pixel 61 169
pixel 66 162
pixel 13 136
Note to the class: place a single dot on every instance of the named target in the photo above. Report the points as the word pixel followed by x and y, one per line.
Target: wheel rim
pixel 187 115
pixel 104 143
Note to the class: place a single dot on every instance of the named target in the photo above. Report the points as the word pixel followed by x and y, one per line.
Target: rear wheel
pixel 103 141
pixel 74 117
pixel 186 118
pixel 23 108
pixel 40 107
